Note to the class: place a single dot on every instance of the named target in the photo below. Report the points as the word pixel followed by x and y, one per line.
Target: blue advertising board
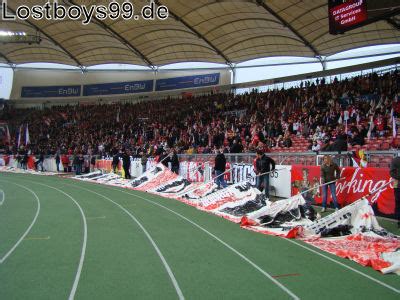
pixel 51 91
pixel 118 88
pixel 187 82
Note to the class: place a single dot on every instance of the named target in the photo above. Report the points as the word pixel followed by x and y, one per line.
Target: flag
pixel 8 137
pixel 394 125
pixel 19 137
pixel 27 138
pixel 346 115
pixel 47 121
pixel 355 164
pixel 371 127
pixel 359 159
pixel 363 159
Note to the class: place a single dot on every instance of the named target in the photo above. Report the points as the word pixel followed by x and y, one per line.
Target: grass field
pixel 62 239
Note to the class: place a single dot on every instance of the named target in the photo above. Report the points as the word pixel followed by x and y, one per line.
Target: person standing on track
pixel 143 161
pixel 92 163
pixel 164 158
pixel 24 161
pixel 220 167
pixel 395 174
pixel 126 164
pixel 58 160
pixel 329 172
pixel 81 162
pixel 40 162
pixel 115 161
pixel 174 162
pixel 263 164
pixel 75 163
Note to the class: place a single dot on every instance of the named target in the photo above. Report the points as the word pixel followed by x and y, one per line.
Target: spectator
pixel 264 165
pixel 174 162
pixel 164 158
pixel 357 139
pixel 39 162
pixel 340 143
pixel 329 173
pixel 126 164
pixel 143 162
pixel 220 167
pixel 76 165
pixel 236 147
pixel 58 160
pixel 315 147
pixel 92 163
pixel 287 141
pixel 115 162
pixel 81 162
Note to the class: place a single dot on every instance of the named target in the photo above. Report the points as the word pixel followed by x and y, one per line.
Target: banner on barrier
pixel 279 179
pixel 106 165
pixel 193 171
pixel 136 167
pixel 357 183
pixel 50 91
pixel 186 82
pixel 201 172
pixel 118 88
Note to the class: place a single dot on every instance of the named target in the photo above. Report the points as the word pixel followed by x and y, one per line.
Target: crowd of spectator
pixel 331 116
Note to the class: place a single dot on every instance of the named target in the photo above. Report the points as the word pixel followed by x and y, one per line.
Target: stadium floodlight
pixel 18 37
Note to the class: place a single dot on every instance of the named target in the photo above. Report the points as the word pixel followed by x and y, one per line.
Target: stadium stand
pixel 337 116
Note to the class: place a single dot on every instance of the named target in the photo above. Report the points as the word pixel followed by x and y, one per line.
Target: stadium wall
pixel 74 84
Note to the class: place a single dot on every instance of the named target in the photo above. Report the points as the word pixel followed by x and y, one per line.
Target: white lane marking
pixel 167 267
pixel 285 289
pixel 346 266
pixel 3 259
pixel 3 197
pixel 83 249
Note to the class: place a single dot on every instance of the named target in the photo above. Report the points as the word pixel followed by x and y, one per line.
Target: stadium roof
pixel 197 30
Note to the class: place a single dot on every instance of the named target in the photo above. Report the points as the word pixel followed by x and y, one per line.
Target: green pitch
pixel 63 239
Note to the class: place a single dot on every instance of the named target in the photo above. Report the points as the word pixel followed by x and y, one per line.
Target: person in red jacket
pixel 65 162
